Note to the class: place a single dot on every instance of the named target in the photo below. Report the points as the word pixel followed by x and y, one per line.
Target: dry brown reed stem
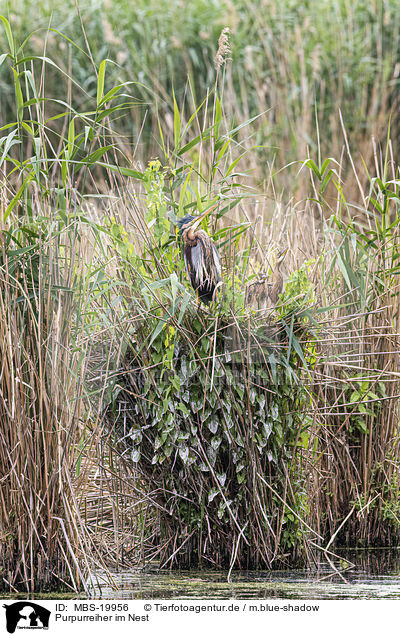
pixel 44 543
pixel 38 423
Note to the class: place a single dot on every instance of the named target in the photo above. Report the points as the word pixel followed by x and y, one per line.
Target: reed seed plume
pixel 224 49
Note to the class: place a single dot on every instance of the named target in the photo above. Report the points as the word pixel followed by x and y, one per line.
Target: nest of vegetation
pixel 212 416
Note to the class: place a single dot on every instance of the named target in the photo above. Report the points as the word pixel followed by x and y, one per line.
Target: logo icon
pixel 26 615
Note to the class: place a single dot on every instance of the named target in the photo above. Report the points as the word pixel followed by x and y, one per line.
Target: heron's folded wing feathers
pixel 194 262
pixel 216 264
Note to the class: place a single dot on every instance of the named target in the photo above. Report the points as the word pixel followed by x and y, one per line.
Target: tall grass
pixel 46 284
pixel 294 63
pixel 333 470
pixel 137 425
pixel 40 408
pixel 360 361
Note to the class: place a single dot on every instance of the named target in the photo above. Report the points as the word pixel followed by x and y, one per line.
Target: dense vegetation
pixel 297 63
pixel 137 425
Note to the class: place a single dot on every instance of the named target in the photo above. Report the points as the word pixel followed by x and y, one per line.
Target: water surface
pixel 376 575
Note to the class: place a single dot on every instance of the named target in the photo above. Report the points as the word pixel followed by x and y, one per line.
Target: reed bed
pixel 332 472
pixel 138 426
pixel 40 413
pixel 298 64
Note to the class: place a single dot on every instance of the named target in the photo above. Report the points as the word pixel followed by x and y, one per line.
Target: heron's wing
pixel 188 259
pixel 216 264
pixel 203 266
pixel 194 262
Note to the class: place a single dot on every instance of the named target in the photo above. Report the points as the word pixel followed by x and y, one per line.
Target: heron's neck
pixel 190 234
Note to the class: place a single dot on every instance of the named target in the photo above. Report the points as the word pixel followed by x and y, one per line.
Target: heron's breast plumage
pixel 203 265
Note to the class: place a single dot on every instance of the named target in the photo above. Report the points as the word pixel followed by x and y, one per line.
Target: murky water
pixel 376 576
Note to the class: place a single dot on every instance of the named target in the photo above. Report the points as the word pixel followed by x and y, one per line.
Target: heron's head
pixel 185 222
pixel 192 222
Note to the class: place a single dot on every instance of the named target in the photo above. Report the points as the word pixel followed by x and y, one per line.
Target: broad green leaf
pixel 71 136
pixel 185 302
pixel 97 154
pixel 9 35
pixel 100 82
pixel 310 163
pixel 126 172
pixel 106 112
pixel 112 94
pixel 245 123
pixel 9 142
pixel 17 197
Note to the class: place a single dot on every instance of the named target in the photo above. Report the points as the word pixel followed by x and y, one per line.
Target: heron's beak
pixel 282 254
pixel 199 219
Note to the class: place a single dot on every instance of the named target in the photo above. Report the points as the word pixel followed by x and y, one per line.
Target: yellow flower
pixel 155 165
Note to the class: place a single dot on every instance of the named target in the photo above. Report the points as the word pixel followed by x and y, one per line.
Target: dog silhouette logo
pixel 26 615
